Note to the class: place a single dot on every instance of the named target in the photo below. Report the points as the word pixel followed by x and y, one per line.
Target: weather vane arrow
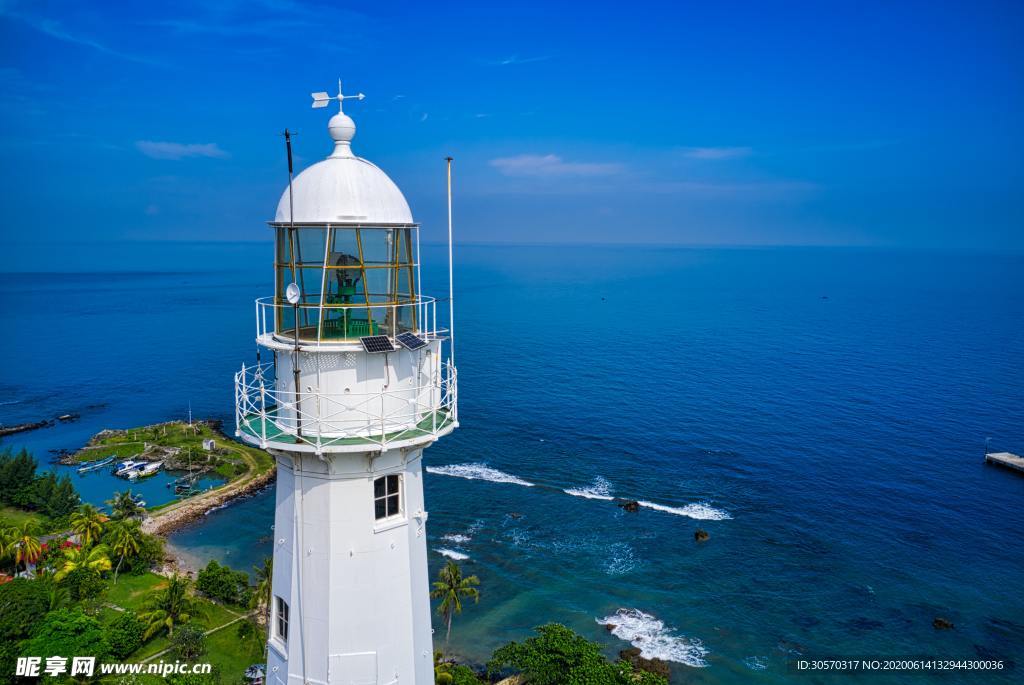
pixel 321 99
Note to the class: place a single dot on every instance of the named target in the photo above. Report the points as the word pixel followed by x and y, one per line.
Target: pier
pixel 1006 460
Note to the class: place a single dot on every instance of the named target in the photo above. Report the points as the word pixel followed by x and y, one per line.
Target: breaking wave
pixel 653 639
pixel 695 511
pixel 457 538
pixel 451 554
pixel 478 472
pixel 599 489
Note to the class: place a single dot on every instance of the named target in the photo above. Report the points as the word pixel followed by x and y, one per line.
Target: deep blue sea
pixel 822 413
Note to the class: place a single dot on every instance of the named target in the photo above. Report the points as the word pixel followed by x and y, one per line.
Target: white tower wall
pixel 363 600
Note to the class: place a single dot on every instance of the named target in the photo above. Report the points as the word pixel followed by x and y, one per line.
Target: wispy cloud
pixel 516 59
pixel 717 152
pixel 252 29
pixel 546 166
pixel 56 30
pixel 166 150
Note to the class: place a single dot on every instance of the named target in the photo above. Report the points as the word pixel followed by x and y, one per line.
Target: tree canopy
pixel 559 656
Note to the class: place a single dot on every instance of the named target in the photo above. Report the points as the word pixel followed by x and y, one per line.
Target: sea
pixel 822 413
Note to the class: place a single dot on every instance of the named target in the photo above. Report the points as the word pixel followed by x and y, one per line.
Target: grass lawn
pixel 10 517
pixel 130 591
pixel 231 654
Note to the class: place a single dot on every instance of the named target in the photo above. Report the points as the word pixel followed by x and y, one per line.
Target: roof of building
pixel 344 189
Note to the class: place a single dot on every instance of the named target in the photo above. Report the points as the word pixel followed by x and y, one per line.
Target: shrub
pixel 223 583
pixel 557 655
pixel 68 632
pixel 125 634
pixel 83 584
pixel 189 642
pixel 23 604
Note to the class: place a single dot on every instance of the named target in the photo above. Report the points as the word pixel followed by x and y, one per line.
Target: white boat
pixel 122 468
pixel 146 470
pixel 93 465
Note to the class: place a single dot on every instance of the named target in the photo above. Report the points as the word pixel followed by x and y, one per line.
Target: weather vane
pixel 321 99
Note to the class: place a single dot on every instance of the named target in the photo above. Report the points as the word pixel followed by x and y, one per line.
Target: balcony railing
pixel 330 322
pixel 349 422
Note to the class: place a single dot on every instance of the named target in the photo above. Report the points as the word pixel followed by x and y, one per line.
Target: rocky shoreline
pixel 177 516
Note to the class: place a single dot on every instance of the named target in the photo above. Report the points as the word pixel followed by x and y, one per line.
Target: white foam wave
pixel 457 538
pixel 695 511
pixel 451 554
pixel 621 560
pixel 599 489
pixel 756 663
pixel 653 639
pixel 478 472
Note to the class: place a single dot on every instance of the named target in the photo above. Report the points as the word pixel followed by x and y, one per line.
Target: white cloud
pixel 717 152
pixel 546 166
pixel 165 150
pixel 516 59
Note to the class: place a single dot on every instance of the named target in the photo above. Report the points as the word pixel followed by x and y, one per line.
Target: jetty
pixel 1006 460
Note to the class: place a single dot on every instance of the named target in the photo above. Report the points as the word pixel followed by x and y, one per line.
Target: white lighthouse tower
pixel 356 389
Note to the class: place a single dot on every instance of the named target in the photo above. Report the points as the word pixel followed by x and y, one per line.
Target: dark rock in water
pixel 630 505
pixel 942 623
pixel 862 624
pixel 22 427
pixel 609 627
pixel 515 515
pixel 701 535
pixel 656 666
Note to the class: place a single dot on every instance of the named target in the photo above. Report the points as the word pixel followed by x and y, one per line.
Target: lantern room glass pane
pixel 353 281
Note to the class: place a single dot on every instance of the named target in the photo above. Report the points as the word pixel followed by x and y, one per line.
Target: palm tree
pixel 24 544
pixel 7 537
pixel 169 606
pixel 123 505
pixel 87 522
pixel 93 559
pixel 127 538
pixel 264 580
pixel 450 589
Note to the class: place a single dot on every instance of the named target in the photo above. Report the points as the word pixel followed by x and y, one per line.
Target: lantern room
pixel 345 236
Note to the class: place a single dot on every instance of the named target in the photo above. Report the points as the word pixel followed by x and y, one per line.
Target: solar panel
pixel 411 341
pixel 377 343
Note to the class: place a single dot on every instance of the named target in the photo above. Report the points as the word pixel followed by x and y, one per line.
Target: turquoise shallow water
pixel 821 413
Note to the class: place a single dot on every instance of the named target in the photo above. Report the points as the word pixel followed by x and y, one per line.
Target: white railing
pixel 331 322
pixel 344 422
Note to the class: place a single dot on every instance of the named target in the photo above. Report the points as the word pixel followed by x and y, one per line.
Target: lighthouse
pixel 353 380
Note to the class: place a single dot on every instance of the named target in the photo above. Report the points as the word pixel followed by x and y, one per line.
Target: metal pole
pixel 451 289
pixel 295 306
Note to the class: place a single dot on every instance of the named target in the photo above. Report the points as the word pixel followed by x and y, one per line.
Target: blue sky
pixel 725 123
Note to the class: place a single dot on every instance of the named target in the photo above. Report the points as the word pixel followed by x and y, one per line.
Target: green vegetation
pixel 559 656
pixel 21 488
pixel 169 606
pixel 450 587
pixel 189 642
pixel 224 584
pixel 67 632
pixel 125 634
pixel 238 458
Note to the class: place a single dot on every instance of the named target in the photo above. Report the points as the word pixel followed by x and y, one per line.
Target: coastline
pixel 179 514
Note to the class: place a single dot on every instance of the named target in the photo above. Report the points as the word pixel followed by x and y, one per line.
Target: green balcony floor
pixel 253 425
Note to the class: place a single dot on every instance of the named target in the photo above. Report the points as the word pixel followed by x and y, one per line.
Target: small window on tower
pixel 282 619
pixel 386 499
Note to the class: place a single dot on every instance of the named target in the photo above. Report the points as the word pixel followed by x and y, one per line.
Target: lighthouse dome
pixel 343 189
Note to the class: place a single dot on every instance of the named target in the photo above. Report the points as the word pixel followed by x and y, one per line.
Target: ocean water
pixel 822 413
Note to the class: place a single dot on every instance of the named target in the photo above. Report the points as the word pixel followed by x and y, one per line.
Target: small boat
pixel 93 465
pixel 122 468
pixel 146 470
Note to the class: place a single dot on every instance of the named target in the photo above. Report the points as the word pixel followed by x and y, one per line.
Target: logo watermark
pixel 53 666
